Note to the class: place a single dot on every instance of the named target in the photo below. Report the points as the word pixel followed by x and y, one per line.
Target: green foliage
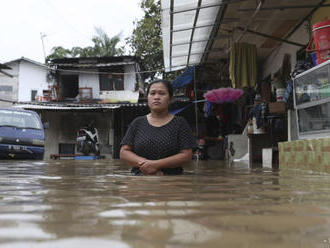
pixel 146 40
pixel 58 52
pixel 103 46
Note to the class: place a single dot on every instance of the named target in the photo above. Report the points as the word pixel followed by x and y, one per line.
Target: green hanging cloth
pixel 243 65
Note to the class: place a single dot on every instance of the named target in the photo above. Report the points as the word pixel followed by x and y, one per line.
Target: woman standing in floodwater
pixel 158 143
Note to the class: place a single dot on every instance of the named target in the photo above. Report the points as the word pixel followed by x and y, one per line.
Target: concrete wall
pixel 31 77
pixel 274 62
pixel 63 127
pixel 91 81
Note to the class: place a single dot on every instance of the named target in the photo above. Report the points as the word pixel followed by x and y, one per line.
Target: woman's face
pixel 158 97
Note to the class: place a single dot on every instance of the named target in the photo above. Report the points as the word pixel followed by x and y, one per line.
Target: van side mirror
pixel 46 125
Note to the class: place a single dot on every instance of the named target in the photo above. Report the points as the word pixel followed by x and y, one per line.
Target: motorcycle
pixel 200 153
pixel 88 140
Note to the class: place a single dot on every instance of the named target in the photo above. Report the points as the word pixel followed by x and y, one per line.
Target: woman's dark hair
pixel 166 83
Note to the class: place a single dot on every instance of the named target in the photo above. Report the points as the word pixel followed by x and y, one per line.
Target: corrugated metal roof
pixel 95 60
pixel 203 31
pixel 96 65
pixel 74 106
pixel 27 60
pixel 186 28
pixel 2 66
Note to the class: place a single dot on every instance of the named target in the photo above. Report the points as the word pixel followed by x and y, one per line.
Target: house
pixel 99 90
pixel 22 80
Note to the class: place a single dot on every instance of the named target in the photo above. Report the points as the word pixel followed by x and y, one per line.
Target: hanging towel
pixel 243 65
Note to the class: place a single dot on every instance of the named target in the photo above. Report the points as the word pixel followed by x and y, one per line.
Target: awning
pixel 186 28
pixel 203 31
pixel 185 78
pixel 71 106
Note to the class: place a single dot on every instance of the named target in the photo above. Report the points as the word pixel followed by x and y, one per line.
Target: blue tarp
pixel 175 111
pixel 185 78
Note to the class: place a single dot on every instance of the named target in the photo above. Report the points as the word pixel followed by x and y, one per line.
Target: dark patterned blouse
pixel 155 143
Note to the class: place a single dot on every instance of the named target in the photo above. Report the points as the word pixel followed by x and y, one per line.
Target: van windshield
pixel 19 119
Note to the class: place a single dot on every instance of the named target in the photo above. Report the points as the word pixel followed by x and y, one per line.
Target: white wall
pixel 31 77
pixel 274 61
pixel 91 81
pixel 63 127
pixel 129 79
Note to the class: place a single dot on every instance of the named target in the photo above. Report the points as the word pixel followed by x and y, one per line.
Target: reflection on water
pixel 86 203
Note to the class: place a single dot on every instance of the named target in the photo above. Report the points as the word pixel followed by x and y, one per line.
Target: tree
pixel 103 46
pixel 58 52
pixel 106 46
pixel 146 41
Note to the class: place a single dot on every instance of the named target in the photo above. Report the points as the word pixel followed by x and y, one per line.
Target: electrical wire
pixel 108 73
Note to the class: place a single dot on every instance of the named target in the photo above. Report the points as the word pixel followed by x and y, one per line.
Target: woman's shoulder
pixel 138 120
pixel 180 119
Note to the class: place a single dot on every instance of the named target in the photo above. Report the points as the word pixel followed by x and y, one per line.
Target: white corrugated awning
pixel 186 28
pixel 203 31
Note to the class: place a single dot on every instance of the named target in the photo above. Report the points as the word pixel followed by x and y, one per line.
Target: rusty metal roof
pixel 74 106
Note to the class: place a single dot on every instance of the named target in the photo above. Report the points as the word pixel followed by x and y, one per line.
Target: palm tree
pixel 104 45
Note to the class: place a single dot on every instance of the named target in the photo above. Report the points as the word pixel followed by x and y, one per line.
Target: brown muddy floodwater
pixel 99 204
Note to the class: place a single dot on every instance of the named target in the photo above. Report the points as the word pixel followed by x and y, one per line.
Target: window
pixel 33 95
pixel 19 119
pixel 70 85
pixel 6 88
pixel 111 82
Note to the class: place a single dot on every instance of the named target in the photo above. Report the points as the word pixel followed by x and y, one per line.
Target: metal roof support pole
pixel 196 109
pixel 197 53
pixel 196 41
pixel 261 2
pixel 271 37
pixel 171 31
pixel 287 7
pixel 214 31
pixel 193 30
pixel 209 6
pixel 186 29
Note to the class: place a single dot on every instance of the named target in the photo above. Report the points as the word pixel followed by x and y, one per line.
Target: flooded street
pixel 98 203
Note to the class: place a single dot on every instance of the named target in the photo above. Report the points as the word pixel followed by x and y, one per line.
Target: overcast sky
pixel 64 23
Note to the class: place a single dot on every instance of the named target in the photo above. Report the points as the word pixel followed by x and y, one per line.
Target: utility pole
pixel 42 36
